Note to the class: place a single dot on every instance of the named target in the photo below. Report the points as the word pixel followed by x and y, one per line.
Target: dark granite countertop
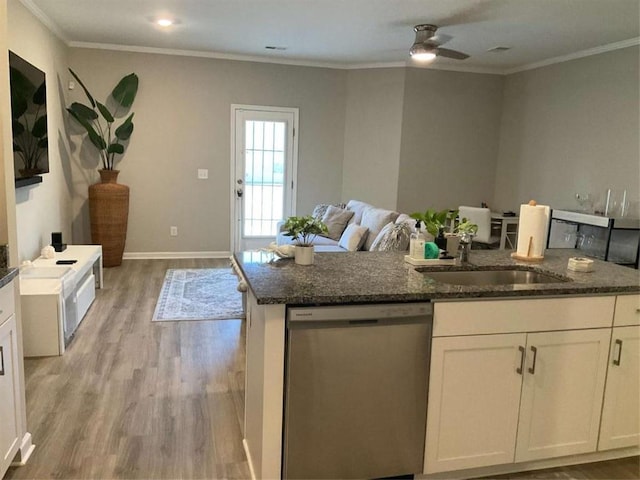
pixel 6 275
pixel 372 277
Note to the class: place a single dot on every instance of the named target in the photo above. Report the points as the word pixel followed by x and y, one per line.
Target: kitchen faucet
pixel 465 246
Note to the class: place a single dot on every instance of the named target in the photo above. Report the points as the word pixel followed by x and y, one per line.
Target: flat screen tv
pixel 28 119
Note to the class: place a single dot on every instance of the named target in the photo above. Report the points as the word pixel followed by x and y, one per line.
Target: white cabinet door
pixel 621 411
pixel 562 393
pixel 8 393
pixel 474 394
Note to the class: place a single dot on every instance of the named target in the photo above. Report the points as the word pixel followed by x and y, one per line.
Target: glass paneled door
pixel 264 173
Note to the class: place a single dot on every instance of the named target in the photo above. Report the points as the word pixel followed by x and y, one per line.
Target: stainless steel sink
pixel 493 277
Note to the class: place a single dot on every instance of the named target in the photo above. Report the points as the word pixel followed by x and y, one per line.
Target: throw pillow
pixel 393 237
pixel 353 237
pixel 321 209
pixel 336 220
pixel 374 219
pixel 357 207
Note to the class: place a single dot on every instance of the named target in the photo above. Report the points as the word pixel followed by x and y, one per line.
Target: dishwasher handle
pixel 391 312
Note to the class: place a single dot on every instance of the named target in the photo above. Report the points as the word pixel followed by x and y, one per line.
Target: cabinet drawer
pixel 7 302
pixel 521 315
pixel 85 296
pixel 627 310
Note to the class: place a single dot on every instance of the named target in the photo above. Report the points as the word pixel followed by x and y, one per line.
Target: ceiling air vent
pixel 499 49
pixel 271 47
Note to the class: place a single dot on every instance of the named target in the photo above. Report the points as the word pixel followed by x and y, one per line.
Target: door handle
pixel 521 367
pixel 239 192
pixel 617 361
pixel 532 370
pixel 1 362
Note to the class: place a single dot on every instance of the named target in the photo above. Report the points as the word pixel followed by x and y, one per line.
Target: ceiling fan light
pixel 422 53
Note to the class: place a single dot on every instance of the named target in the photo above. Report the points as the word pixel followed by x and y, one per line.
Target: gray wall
pixel 570 128
pixel 45 207
pixel 182 123
pixel 401 138
pixel 449 146
pixel 372 135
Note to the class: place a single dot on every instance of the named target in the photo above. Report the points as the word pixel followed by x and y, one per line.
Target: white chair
pixel 482 218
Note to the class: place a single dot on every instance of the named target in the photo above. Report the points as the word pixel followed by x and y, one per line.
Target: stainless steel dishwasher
pixel 356 390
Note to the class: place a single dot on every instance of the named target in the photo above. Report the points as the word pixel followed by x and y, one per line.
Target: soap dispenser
pixel 441 240
pixel 416 242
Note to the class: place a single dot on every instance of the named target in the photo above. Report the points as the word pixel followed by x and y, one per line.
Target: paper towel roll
pixel 532 227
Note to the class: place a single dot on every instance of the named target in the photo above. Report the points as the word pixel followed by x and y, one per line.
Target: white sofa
pixel 367 216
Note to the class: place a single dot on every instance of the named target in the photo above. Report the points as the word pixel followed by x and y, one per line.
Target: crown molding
pixel 573 56
pixel 53 27
pixel 46 21
pixel 203 54
pixel 280 61
pixel 430 66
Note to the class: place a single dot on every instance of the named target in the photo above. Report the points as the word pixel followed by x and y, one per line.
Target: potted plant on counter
pixel 108 200
pixel 303 230
pixel 462 233
pixel 436 222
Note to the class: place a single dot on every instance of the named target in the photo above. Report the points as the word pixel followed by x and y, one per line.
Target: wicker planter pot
pixel 109 212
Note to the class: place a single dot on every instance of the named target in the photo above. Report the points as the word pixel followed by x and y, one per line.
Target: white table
pixel 508 234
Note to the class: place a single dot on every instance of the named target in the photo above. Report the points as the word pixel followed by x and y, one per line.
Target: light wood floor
pixel 136 399
pixel 132 399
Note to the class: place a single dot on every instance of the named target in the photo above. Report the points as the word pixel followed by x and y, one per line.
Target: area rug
pixel 199 294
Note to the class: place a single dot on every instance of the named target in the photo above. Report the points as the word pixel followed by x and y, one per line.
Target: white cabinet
pixel 562 393
pixel 627 310
pixel 9 381
pixel 54 304
pixel 621 411
pixel 497 398
pixel 474 395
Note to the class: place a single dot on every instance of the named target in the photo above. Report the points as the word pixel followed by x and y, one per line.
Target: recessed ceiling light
pixel 164 22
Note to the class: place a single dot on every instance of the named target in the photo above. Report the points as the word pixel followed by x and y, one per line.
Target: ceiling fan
pixel 426 46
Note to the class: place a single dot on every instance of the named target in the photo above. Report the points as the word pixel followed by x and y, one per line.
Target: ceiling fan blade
pixel 445 52
pixel 441 38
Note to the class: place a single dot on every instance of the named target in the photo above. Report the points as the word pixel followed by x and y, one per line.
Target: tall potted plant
pixel 108 200
pixel 303 230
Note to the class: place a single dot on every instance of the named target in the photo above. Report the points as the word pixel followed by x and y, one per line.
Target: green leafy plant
pixel 466 227
pixel 434 220
pixel 28 119
pixel 304 229
pixel 104 137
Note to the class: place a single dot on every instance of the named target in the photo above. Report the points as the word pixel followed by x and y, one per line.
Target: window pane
pixel 264 177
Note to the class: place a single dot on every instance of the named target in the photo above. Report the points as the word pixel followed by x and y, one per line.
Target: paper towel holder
pixel 528 258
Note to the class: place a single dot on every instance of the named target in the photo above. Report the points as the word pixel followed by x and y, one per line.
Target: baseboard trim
pixel 533 465
pixel 248 454
pixel 24 452
pixel 173 255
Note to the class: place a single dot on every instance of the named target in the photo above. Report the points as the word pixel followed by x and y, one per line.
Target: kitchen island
pixel 512 317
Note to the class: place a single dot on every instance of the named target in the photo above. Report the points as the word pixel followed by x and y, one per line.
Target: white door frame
pixel 291 167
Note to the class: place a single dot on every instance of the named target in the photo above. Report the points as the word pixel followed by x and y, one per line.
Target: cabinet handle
pixel 521 367
pixel 532 370
pixel 617 361
pixel 1 362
